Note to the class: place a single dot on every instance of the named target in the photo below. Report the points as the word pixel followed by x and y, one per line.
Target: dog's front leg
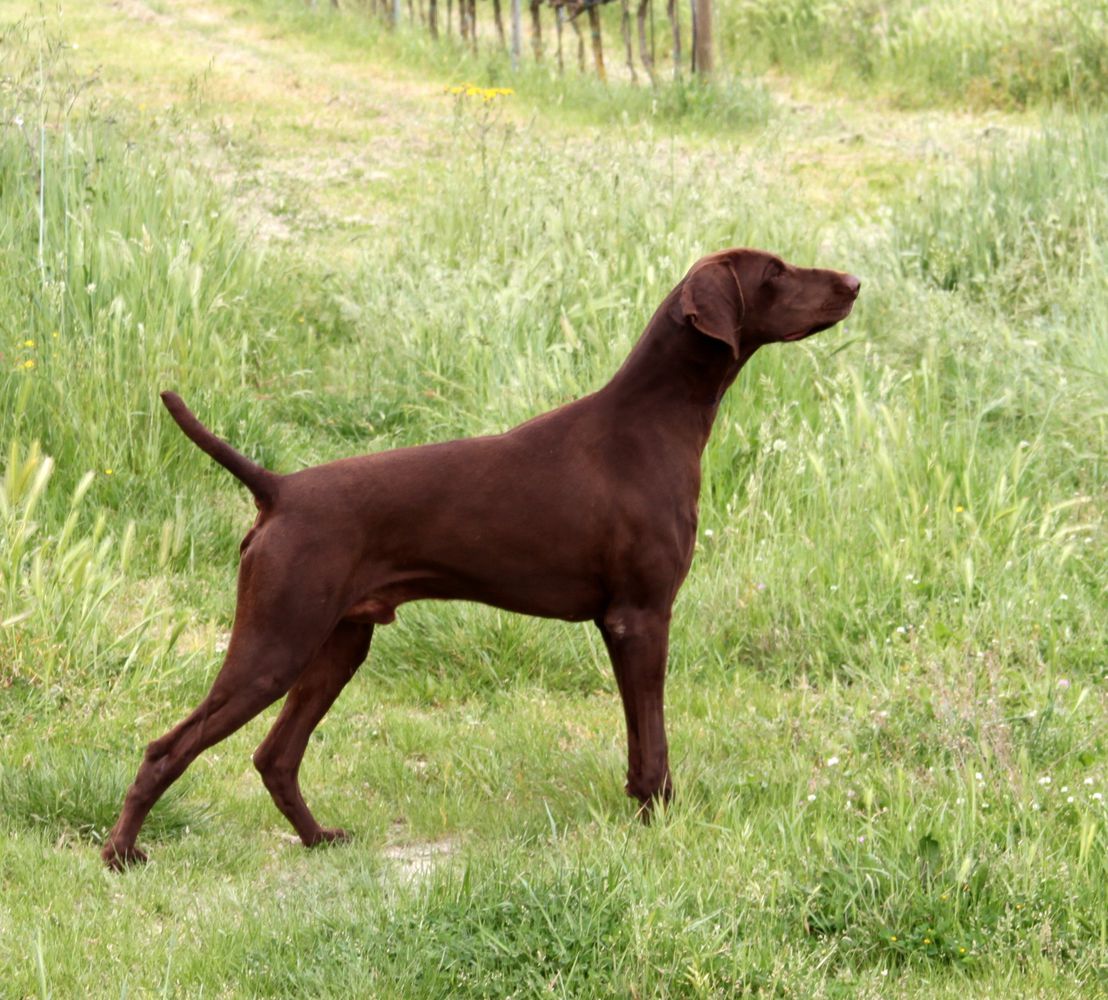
pixel 638 643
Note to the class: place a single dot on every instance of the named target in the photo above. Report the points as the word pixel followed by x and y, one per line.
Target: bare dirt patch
pixel 304 146
pixel 414 862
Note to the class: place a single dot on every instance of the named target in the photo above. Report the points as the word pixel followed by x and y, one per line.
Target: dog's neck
pixel 678 376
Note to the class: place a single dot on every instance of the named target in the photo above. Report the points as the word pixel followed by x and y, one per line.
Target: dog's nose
pixel 852 284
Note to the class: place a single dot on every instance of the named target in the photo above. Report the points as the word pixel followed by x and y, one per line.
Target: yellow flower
pixel 893 938
pixel 959 509
pixel 54 334
pixel 28 343
pixel 107 472
pixel 29 363
pixel 927 940
pixel 961 951
pixel 485 93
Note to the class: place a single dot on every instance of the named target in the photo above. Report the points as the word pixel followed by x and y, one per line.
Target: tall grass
pixel 1023 229
pixel 122 276
pixel 76 625
pixel 984 52
pixel 939 457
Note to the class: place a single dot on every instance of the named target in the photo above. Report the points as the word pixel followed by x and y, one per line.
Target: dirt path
pixel 307 146
pixel 320 144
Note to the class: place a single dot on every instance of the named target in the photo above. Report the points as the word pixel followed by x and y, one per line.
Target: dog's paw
pixel 652 803
pixel 329 835
pixel 119 858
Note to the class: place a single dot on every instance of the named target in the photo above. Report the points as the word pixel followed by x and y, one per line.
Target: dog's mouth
pixel 841 314
pixel 818 328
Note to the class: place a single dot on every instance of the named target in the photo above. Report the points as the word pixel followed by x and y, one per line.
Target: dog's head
pixel 748 298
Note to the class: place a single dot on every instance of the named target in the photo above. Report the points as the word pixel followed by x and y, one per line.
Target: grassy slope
pixel 890 637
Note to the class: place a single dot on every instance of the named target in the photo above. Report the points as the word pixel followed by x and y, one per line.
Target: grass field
pixel 889 670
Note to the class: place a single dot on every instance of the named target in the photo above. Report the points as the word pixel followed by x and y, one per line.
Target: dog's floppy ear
pixel 712 301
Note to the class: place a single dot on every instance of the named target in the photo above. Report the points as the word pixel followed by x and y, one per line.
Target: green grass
pixel 983 53
pixel 889 665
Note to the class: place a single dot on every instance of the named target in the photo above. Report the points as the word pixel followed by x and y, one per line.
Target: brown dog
pixel 586 513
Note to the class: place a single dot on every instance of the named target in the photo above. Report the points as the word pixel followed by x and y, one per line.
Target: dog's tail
pixel 261 482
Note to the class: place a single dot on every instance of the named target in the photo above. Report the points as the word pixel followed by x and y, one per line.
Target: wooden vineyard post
pixel 433 17
pixel 692 31
pixel 559 17
pixel 671 11
pixel 702 38
pixel 597 41
pixel 625 26
pixel 517 34
pixel 472 18
pixel 536 29
pixel 645 54
pixel 575 24
pixel 499 18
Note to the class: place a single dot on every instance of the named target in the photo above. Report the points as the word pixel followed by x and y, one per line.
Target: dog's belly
pixel 569 598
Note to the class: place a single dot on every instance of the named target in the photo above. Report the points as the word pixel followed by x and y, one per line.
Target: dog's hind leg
pixel 262 665
pixel 279 755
